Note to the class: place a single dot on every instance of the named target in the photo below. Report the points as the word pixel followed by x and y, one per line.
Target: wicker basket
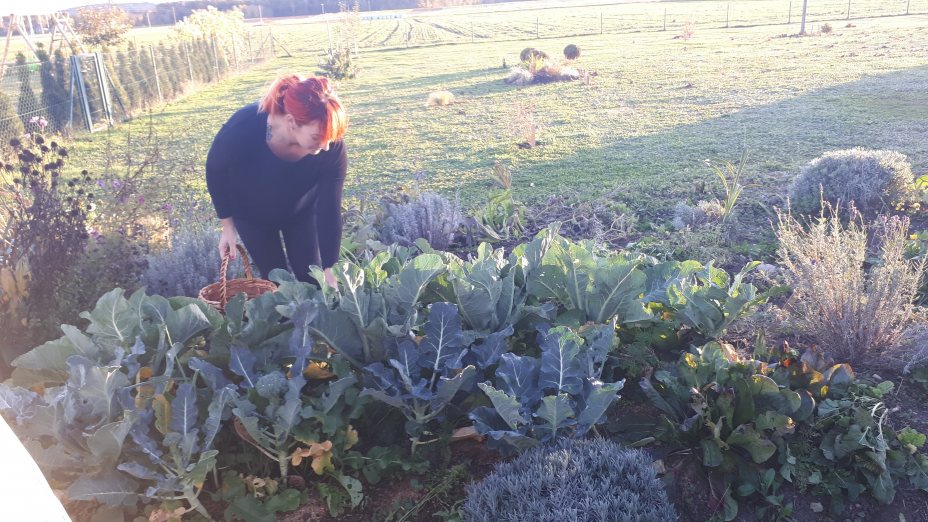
pixel 217 294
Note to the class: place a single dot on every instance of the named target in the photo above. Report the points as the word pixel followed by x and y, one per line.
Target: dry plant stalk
pixel 524 122
pixel 851 311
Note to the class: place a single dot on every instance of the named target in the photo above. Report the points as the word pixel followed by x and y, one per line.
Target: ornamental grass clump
pixel 571 481
pixel 874 180
pixel 853 292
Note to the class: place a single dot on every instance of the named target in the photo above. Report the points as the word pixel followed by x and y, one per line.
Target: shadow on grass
pixel 652 172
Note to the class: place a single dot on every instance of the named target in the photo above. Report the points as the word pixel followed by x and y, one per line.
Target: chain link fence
pixel 88 91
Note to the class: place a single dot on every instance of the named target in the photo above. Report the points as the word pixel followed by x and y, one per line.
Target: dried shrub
pixel 874 180
pixel 826 28
pixel 852 294
pixel 440 99
pixel 600 219
pixel 519 76
pixel 530 53
pixel 427 215
pixel 524 123
pixel 571 481
pixel 703 213
pixel 571 52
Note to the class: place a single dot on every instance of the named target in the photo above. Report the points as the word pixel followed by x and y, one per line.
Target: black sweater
pixel 247 180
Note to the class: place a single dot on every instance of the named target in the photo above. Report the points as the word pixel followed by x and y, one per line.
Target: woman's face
pixel 309 136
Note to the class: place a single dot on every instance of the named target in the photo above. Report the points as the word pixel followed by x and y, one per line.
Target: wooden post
pixel 600 21
pixel 789 15
pixel 728 13
pixel 148 18
pixel 665 19
pixel 472 32
pixel 907 2
pixel 537 32
pixel 848 9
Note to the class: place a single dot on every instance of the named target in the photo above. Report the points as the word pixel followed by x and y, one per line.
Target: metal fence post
pixel 104 87
pixel 600 21
pixel 848 9
pixel 789 14
pixel 727 14
pixel 665 19
pixel 189 65
pixel 154 68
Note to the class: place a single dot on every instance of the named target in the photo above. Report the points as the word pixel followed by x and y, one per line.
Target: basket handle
pixel 224 269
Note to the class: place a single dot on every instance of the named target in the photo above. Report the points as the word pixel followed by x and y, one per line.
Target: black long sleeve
pixel 246 180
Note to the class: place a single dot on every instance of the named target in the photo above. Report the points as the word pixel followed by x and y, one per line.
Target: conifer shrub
pixel 54 96
pixel 28 102
pixel 571 481
pixel 571 52
pixel 873 180
pixel 10 124
pixel 128 79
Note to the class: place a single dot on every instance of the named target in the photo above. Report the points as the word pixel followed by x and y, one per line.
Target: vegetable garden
pixel 587 327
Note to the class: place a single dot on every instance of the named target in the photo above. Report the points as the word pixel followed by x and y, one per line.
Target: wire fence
pixel 86 91
pixel 499 22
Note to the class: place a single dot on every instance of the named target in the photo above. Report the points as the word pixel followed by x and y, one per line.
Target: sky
pixel 49 6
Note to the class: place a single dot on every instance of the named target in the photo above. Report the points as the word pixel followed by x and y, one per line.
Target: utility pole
pixel 174 15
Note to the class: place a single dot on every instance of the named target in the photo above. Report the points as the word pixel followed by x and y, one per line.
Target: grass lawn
pixel 657 109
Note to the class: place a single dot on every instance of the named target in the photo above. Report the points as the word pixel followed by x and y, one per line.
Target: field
pixel 657 108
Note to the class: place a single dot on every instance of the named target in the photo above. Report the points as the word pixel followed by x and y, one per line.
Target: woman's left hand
pixel 330 278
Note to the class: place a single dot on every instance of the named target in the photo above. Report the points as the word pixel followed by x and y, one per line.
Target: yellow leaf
pixel 298 455
pixel 145 373
pixel 351 437
pixel 323 462
pixel 317 370
pixel 162 409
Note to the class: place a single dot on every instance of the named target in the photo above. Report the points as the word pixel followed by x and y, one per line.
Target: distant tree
pixel 102 25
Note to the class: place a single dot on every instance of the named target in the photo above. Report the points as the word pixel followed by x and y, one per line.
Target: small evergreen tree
pixel 10 124
pixel 28 105
pixel 54 96
pixel 142 72
pixel 119 100
pixel 129 80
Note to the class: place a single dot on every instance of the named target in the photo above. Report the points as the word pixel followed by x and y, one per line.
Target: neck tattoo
pixel 267 136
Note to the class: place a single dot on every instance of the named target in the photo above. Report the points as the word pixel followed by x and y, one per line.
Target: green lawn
pixel 658 107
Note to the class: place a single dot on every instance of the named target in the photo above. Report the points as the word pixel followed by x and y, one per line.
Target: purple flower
pixel 101 183
pixel 117 184
pixel 43 123
pixel 168 207
pixel 141 200
pixel 34 119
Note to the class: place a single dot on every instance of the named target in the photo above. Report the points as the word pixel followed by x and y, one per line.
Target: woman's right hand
pixel 227 239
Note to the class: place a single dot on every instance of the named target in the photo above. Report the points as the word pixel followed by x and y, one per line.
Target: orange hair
pixel 310 99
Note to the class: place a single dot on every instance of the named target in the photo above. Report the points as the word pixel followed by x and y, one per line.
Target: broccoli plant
pixel 560 394
pixel 423 376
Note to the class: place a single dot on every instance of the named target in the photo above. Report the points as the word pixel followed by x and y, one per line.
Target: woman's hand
pixel 330 278
pixel 228 239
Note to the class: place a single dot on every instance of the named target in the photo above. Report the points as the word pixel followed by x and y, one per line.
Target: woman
pixel 277 169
